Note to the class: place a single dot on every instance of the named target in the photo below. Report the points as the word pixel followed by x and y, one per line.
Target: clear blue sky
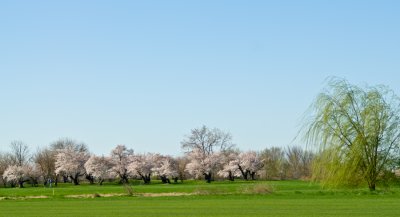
pixel 143 73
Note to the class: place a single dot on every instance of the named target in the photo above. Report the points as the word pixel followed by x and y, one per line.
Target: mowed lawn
pixel 217 199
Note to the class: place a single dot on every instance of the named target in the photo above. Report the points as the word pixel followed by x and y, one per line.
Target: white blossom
pixel 166 168
pixel 16 175
pixel 202 164
pixel 98 167
pixel 142 165
pixel 121 157
pixel 248 163
pixel 70 161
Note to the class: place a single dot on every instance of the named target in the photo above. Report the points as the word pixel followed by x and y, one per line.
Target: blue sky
pixel 143 73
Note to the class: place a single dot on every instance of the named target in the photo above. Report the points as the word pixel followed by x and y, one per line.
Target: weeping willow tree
pixel 357 131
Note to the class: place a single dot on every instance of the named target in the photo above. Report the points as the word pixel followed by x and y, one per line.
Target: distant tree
pixel 33 174
pixel 299 162
pixel 121 157
pixel 181 166
pixel 15 174
pixel 62 144
pixel 45 163
pixel 98 167
pixel 293 155
pixel 166 168
pixel 71 160
pixel 5 162
pixel 307 160
pixel 274 161
pixel 202 164
pixel 357 130
pixel 249 163
pixel 229 168
pixel 19 153
pixel 207 140
pixel 142 165
pixel 202 146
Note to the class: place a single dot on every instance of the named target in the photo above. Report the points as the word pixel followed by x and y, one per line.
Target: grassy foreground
pixel 217 199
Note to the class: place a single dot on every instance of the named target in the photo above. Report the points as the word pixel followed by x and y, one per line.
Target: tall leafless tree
pixel 19 153
pixel 299 162
pixel 45 162
pixel 207 140
pixel 274 160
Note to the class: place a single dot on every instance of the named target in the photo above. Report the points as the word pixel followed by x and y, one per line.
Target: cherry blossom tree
pixel 98 167
pixel 18 167
pixel 143 164
pixel 33 174
pixel 166 168
pixel 249 163
pixel 229 170
pixel 5 162
pixel 203 146
pixel 202 164
pixel 61 144
pixel 15 174
pixel 70 161
pixel 121 157
pixel 246 164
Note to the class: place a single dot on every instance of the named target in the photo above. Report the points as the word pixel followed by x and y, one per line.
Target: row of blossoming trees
pixel 209 154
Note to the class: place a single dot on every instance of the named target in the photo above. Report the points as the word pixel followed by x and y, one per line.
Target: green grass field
pixel 274 198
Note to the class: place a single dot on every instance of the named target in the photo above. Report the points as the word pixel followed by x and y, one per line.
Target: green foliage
pixel 358 132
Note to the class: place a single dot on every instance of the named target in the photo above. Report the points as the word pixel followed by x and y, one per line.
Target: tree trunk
pixel 181 177
pixel 101 181
pixel 75 180
pixel 244 173
pixel 163 179
pixel 371 186
pixel 21 184
pixel 34 182
pixel 124 179
pixel 231 176
pixel 207 177
pixel 147 179
pixel 90 178
pixel 253 175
